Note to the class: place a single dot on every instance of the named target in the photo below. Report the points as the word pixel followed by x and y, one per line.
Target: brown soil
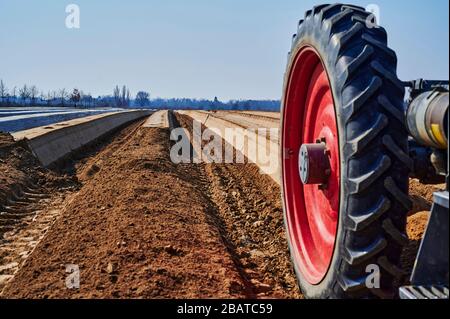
pixel 20 171
pixel 422 195
pixel 422 198
pixel 138 228
pixel 22 179
pixel 415 229
pixel 143 227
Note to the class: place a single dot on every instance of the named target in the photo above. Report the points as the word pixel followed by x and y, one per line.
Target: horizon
pixel 196 50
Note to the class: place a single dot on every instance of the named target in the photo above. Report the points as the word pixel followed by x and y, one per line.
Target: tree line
pixel 215 104
pixel 30 95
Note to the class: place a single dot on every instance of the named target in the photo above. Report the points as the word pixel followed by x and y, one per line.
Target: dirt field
pixel 142 227
pixel 139 226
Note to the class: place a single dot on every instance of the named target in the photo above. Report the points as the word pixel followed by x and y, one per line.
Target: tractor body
pixel 427 121
pixel 349 144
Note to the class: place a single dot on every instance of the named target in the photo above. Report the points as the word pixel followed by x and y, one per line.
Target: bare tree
pixel 54 96
pixel 49 98
pixel 142 98
pixel 24 93
pixel 3 90
pixel 13 94
pixel 63 95
pixel 82 98
pixel 42 97
pixel 117 95
pixel 89 99
pixel 124 96
pixel 75 96
pixel 128 98
pixel 33 93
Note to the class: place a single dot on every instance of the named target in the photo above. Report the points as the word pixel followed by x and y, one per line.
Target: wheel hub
pixel 314 164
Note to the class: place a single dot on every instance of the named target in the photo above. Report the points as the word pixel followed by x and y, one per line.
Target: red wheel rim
pixel 311 213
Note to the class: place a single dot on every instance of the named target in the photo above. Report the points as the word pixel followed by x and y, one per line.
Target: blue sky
pixel 233 49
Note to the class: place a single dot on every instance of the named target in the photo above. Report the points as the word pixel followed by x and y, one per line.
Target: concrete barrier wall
pixel 50 144
pixel 253 155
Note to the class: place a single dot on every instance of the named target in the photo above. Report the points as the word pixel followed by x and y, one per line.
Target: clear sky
pixel 233 49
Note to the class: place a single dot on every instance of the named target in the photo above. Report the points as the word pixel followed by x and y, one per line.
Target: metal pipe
pixel 427 119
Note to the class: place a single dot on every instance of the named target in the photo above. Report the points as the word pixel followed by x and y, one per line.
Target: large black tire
pixel 375 165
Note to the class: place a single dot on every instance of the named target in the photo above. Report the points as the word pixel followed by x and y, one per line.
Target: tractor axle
pixel 314 164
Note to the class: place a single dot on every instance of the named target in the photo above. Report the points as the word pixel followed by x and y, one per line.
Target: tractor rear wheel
pixel 344 156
